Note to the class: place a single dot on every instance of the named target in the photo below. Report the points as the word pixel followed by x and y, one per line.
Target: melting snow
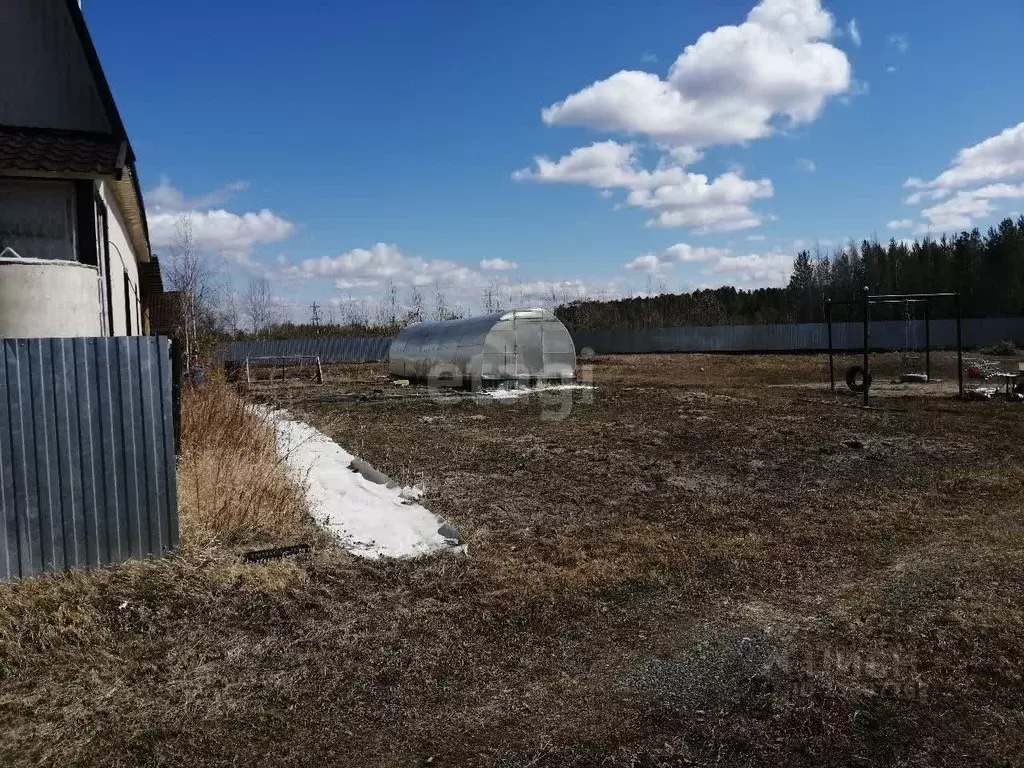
pixel 369 518
pixel 508 394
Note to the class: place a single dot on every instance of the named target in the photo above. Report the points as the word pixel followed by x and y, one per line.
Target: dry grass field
pixel 710 560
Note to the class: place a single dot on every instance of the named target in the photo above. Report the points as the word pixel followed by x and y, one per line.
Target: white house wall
pixel 46 79
pixel 48 298
pixel 122 260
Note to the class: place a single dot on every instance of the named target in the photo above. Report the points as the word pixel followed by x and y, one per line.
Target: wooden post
pixel 248 379
pixel 831 360
pixel 319 371
pixel 927 342
pixel 959 346
pixel 867 322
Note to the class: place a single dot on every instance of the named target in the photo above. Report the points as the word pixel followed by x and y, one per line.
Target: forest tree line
pixel 987 269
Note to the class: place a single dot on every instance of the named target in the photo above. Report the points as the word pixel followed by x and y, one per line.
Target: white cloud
pixel 960 210
pixel 900 224
pixel 733 85
pixel 216 230
pixel 854 32
pixel 374 267
pixel 676 197
pixel 743 271
pixel 890 69
pixel 991 163
pixel 229 234
pixel 498 265
pixel 727 87
pixel 804 164
pixel 680 253
pixel 999 158
pixel 899 43
pixel 754 270
pixel 756 238
pixel 648 57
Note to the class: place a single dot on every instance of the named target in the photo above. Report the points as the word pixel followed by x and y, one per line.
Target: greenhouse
pixel 521 345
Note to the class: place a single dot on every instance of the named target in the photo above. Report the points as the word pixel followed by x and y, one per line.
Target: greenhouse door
pixel 530 347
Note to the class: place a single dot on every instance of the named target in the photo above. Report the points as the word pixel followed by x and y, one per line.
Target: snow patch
pixel 369 519
pixel 509 394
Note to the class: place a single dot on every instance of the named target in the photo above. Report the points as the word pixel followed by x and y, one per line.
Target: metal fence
pixel 353 350
pixel 87 465
pixel 798 337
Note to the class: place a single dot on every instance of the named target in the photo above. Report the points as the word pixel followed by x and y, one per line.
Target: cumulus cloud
pixel 498 265
pixel 721 264
pixel 960 210
pixel 675 196
pixel 804 164
pixel 231 235
pixel 727 87
pixel 999 158
pixel 380 264
pixel 854 31
pixel 753 270
pixel 166 198
pixel 900 224
pixel 979 174
pixel 679 253
pixel 735 84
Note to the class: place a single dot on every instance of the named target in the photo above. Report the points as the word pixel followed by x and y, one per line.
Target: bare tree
pixel 259 306
pixel 392 303
pixel 441 311
pixel 415 305
pixel 204 305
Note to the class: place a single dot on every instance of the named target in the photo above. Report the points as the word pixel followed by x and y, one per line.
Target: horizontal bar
pixel 911 296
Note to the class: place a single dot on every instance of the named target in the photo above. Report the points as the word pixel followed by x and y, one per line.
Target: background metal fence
pixel 353 350
pixel 798 337
pixel 87 464
pixel 787 337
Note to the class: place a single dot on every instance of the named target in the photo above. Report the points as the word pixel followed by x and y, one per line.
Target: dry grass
pixel 696 568
pixel 232 486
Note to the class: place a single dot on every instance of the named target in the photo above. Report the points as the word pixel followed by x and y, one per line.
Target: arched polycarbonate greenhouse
pixel 522 345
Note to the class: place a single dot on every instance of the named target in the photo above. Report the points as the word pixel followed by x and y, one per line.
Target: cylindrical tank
pixel 524 345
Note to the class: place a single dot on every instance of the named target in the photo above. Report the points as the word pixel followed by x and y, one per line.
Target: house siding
pixel 123 263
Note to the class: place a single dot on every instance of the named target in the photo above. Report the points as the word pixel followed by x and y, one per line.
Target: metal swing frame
pixel 866 300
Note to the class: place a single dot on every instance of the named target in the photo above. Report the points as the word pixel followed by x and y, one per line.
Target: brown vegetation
pixel 696 567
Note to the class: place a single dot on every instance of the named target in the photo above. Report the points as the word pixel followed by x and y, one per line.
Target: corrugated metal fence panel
pixel 798 337
pixel 347 350
pixel 87 465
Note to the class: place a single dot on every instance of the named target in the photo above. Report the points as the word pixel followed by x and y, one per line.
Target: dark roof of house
pixel 28 149
pixel 78 20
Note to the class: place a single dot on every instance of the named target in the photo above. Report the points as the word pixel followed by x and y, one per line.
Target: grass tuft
pixel 233 490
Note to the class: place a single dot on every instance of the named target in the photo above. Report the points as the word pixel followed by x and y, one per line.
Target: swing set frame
pixel 866 301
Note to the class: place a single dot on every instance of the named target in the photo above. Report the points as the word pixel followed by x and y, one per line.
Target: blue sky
pixel 337 147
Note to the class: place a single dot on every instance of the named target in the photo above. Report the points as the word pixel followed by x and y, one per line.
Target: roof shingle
pixel 54 152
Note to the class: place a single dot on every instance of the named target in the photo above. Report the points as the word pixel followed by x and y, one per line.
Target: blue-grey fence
pixel 798 337
pixel 87 464
pixel 783 337
pixel 353 350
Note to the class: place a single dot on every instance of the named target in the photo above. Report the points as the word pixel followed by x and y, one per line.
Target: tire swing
pixel 856 379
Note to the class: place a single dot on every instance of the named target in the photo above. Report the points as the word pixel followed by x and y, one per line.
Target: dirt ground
pixel 705 560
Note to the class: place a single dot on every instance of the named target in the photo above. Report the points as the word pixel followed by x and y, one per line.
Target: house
pixel 75 256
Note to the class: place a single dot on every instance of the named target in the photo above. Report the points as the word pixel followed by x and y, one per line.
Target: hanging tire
pixel 856 379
